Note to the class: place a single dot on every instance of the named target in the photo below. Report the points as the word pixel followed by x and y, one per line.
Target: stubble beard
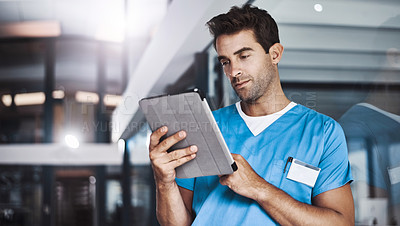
pixel 255 89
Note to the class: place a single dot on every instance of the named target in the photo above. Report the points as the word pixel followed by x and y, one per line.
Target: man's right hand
pixel 164 163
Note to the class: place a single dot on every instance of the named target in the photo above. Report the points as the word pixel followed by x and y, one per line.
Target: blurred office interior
pixel 73 143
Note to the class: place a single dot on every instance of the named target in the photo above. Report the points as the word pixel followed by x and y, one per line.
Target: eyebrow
pixel 236 53
pixel 242 50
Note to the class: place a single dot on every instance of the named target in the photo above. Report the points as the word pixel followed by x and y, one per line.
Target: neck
pixel 272 101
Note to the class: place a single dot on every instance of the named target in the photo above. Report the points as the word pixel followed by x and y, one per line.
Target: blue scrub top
pixel 300 133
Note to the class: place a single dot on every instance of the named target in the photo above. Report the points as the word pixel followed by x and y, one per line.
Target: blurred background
pixel 73 144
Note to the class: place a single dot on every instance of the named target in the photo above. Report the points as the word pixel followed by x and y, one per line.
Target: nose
pixel 235 70
pixel 239 73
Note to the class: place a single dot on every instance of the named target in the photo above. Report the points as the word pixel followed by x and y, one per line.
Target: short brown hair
pixel 246 17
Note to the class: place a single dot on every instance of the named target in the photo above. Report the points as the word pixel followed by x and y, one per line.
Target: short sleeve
pixel 187 183
pixel 335 167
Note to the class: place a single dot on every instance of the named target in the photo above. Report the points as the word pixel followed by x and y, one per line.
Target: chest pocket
pixel 275 174
pixel 299 191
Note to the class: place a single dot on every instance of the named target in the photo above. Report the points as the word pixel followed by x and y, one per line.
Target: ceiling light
pixel 318 8
pixel 71 141
pixel 58 94
pixel 31 29
pixel 7 100
pixel 86 97
pixel 29 99
pixel 112 100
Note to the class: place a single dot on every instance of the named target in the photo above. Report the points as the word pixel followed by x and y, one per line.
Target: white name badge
pixel 303 173
pixel 394 175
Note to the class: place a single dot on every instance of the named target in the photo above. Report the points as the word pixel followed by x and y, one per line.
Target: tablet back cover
pixel 189 112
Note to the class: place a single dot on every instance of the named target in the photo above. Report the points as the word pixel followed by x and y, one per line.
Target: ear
pixel 276 51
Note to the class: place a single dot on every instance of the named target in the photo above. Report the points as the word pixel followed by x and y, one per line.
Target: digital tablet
pixel 189 111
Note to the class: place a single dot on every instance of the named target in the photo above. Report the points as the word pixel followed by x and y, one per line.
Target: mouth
pixel 240 85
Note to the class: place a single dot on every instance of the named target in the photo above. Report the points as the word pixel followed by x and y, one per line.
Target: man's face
pixel 246 64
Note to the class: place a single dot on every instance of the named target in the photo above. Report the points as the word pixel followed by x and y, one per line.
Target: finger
pixel 174 155
pixel 167 143
pixel 177 154
pixel 236 156
pixel 181 161
pixel 239 159
pixel 156 136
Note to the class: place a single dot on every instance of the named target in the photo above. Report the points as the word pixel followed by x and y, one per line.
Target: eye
pixel 224 62
pixel 244 56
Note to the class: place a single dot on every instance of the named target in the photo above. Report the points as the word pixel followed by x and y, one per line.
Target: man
pixel 264 132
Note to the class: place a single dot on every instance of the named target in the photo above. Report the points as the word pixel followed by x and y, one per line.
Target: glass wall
pixel 342 59
pixel 61 195
pixel 20 195
pixel 141 181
